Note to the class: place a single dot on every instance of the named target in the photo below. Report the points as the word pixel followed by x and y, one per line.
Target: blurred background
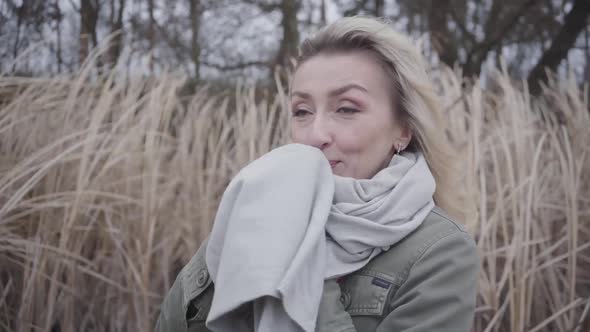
pixel 122 122
pixel 222 39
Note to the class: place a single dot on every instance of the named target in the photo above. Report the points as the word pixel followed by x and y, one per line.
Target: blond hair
pixel 416 100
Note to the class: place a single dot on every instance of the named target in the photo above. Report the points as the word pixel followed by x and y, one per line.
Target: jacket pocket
pixel 366 292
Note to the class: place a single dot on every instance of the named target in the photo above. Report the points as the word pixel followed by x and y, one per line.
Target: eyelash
pixel 299 113
pixel 344 110
pixel 348 110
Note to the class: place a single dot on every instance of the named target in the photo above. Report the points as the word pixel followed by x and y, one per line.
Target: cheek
pixel 360 137
pixel 296 134
pixel 351 141
pixel 369 145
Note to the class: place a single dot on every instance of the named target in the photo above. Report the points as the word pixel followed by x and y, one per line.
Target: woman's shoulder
pixel 415 272
pixel 437 230
pixel 437 225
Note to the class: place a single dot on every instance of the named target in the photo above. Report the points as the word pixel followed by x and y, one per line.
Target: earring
pixel 398 147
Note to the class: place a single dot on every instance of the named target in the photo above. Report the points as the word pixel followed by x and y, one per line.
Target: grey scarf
pixel 285 223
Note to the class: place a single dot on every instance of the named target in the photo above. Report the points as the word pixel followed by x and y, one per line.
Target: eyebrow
pixel 333 93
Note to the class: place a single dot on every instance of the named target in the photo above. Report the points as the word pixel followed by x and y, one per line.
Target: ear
pixel 405 137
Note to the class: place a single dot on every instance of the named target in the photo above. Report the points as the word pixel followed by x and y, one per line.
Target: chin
pixel 341 173
pixel 341 170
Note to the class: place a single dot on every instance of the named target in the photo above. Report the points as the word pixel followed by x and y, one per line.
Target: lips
pixel 333 163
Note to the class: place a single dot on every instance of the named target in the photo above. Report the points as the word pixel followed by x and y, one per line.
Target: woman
pixel 361 96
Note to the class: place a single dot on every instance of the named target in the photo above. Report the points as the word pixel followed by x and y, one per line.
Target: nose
pixel 320 135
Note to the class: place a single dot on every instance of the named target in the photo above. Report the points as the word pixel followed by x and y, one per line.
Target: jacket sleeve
pixel 440 291
pixel 171 314
pixel 192 281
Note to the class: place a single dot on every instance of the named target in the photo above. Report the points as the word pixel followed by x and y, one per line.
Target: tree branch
pixel 443 41
pixel 462 26
pixel 478 54
pixel 236 66
pixel 265 7
pixel 362 4
pixel 564 40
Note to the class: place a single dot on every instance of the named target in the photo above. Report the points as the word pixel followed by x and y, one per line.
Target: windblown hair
pixel 412 89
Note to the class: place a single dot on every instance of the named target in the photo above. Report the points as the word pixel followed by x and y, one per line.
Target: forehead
pixel 327 71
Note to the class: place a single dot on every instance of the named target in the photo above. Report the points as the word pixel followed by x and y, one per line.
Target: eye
pixel 347 110
pixel 300 113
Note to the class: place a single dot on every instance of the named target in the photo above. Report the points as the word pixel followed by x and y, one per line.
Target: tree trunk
pixel 441 37
pixel 477 56
pixel 151 32
pixel 83 42
pixel 290 41
pixel 379 8
pixel 20 13
pixel 58 18
pixel 360 5
pixel 574 24
pixel 195 17
pixel 88 20
pixel 116 27
pixel 587 53
pixel 323 13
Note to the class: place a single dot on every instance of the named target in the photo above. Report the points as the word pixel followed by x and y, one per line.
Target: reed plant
pixel 109 182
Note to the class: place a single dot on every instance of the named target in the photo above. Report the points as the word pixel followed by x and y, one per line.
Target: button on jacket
pixel 426 282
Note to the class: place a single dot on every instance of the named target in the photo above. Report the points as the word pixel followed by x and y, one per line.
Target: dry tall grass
pixel 107 188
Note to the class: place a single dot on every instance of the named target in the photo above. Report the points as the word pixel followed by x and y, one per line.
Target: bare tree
pixel 116 23
pixel 574 23
pixel 290 40
pixel 358 7
pixel 441 37
pixel 195 22
pixel 497 26
pixel 379 8
pixel 89 10
pixel 58 17
pixel 152 31
pixel 20 13
pixel 466 33
pixel 323 12
pixel 30 13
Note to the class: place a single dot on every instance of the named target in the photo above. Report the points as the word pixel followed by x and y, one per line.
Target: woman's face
pixel 341 103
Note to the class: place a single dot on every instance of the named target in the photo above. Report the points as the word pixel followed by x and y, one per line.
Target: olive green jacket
pixel 426 282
